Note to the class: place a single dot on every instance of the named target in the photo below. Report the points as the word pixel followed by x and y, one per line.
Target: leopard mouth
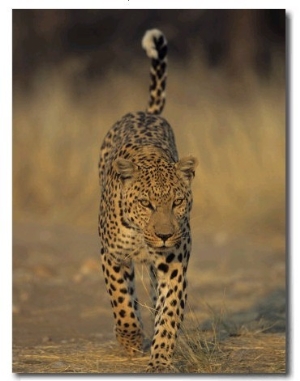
pixel 163 245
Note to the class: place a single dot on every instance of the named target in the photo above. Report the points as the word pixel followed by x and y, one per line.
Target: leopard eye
pixel 145 203
pixel 178 202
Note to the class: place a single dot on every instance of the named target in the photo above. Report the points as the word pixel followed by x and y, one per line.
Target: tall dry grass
pixel 236 128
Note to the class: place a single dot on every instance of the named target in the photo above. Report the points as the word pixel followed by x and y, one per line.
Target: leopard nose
pixel 164 237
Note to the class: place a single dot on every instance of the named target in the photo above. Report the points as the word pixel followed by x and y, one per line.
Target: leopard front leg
pixel 168 314
pixel 153 286
pixel 119 279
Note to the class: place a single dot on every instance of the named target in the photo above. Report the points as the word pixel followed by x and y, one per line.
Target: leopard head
pixel 156 198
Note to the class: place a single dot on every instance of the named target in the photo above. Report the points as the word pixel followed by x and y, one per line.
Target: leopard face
pixel 156 200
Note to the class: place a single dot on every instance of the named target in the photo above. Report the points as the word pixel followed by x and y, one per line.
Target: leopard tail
pixel 155 44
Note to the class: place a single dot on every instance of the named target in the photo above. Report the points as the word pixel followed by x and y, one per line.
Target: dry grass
pixel 229 348
pixel 197 352
pixel 85 357
pixel 235 128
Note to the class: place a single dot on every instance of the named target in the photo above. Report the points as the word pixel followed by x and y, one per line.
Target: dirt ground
pixel 62 321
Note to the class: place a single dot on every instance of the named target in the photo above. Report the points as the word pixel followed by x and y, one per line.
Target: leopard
pixel 144 217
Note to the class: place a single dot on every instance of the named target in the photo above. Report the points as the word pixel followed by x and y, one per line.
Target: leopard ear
pixel 125 168
pixel 186 168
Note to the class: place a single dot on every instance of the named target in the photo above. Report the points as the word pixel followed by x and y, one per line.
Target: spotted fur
pixel 145 205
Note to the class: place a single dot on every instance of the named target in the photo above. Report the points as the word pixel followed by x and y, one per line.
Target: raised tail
pixel 155 44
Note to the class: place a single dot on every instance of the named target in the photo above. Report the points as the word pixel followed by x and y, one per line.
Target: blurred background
pixel 76 72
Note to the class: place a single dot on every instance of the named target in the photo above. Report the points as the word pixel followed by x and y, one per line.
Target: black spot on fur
pixel 174 274
pixel 163 267
pixel 170 257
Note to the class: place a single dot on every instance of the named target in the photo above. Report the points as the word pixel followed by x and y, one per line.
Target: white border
pixel 6 191
pixel 6 151
pixel 153 4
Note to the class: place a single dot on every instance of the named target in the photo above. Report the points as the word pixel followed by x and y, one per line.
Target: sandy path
pixel 59 299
